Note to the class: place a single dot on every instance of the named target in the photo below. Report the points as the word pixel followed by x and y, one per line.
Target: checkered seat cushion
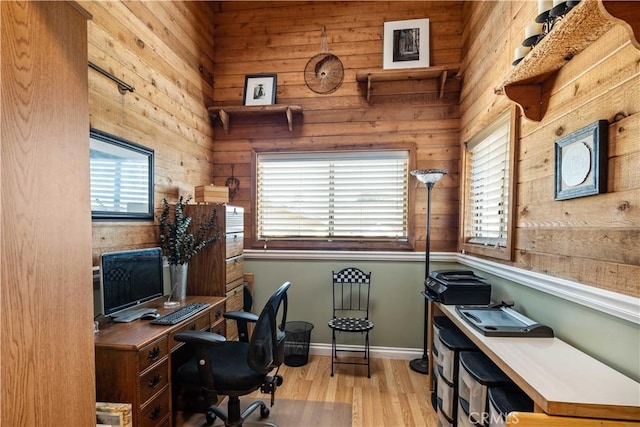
pixel 351 324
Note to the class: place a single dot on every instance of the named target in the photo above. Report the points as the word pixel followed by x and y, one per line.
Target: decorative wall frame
pixel 260 89
pixel 581 162
pixel 121 174
pixel 406 44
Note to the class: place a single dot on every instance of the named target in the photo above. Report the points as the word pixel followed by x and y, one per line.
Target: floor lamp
pixel 429 177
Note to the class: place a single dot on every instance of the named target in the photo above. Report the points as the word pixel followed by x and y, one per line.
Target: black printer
pixel 457 287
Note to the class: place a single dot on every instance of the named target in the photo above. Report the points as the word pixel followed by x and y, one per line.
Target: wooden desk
pixel 560 379
pixel 133 360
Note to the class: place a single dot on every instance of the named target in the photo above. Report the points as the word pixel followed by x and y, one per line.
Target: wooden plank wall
pixel 593 240
pixel 281 37
pixel 164 50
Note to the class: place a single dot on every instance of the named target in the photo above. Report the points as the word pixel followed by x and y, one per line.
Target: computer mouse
pixel 150 316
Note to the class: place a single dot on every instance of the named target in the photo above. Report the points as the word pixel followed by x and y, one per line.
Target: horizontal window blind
pixel 342 195
pixel 489 186
pixel 119 185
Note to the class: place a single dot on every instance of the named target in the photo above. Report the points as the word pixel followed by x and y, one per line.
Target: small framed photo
pixel 406 44
pixel 260 89
pixel 581 162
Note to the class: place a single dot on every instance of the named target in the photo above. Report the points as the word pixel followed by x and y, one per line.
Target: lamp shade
pixel 429 176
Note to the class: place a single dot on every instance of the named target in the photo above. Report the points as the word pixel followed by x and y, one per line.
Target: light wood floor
pixel 393 396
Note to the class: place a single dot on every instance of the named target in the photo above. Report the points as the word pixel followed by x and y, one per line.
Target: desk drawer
pixel 234 268
pixel 152 353
pixel 155 411
pixel 154 380
pixel 199 322
pixel 234 244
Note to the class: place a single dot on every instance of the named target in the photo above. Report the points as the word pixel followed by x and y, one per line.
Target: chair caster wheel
pixel 279 380
pixel 264 412
pixel 211 418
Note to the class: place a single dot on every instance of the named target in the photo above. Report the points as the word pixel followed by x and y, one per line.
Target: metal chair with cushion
pixel 351 289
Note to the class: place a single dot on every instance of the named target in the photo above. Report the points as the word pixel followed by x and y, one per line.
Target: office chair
pixel 351 288
pixel 237 368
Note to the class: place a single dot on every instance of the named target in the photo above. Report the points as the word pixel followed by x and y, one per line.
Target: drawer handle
pixel 155 413
pixel 153 354
pixel 217 315
pixel 153 383
pixel 192 327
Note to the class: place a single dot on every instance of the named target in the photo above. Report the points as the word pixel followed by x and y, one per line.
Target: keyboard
pixel 180 314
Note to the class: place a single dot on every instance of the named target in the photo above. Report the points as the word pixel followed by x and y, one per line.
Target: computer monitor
pixel 130 278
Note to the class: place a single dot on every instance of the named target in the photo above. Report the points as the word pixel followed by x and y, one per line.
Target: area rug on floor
pixel 289 413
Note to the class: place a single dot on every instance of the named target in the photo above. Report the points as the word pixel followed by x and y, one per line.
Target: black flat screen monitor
pixel 129 278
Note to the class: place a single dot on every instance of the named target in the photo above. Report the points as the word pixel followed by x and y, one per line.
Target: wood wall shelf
pixel 440 72
pixel 226 112
pixel 583 25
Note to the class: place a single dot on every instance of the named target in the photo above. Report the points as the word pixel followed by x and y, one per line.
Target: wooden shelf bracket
pixel 438 72
pixel 582 26
pixel 224 113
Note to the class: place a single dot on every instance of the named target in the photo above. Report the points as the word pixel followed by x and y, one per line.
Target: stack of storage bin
pixel 451 342
pixel 476 374
pixel 439 323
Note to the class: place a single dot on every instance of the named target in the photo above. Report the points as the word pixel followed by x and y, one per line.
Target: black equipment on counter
pixel 452 287
pixel 500 320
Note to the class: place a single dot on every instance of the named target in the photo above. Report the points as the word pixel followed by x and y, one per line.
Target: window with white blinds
pixel 332 196
pixel 119 184
pixel 489 185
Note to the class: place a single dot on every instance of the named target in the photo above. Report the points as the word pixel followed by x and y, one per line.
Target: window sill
pixel 336 245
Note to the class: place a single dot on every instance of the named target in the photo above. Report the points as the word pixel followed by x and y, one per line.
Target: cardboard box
pixel 211 194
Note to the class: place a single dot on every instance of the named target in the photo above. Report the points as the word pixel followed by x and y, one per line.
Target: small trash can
pixel 296 343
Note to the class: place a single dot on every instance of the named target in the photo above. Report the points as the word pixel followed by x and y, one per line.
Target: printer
pixel 457 287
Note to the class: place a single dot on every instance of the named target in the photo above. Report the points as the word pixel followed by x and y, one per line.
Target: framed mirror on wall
pixel 121 178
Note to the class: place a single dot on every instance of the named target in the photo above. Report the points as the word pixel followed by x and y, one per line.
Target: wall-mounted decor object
pixel 260 89
pixel 581 162
pixel 324 72
pixel 406 44
pixel 121 178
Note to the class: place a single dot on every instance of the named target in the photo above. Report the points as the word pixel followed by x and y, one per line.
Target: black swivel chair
pixel 237 368
pixel 351 289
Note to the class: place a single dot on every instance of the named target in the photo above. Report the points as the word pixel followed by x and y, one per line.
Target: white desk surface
pixel 560 379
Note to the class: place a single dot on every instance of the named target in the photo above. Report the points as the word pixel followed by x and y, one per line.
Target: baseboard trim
pixel 321 349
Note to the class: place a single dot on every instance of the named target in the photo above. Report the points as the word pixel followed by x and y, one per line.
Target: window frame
pixel 357 245
pixel 498 252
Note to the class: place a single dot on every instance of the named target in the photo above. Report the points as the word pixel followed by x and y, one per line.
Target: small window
pixel 489 162
pixel 337 196
pixel 121 174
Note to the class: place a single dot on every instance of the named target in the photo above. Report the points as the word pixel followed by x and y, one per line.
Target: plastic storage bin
pixel 452 342
pixel 439 323
pixel 443 421
pixel 476 374
pixel 296 343
pixel 503 400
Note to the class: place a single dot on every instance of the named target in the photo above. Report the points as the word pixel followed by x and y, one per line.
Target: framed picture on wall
pixel 406 44
pixel 581 162
pixel 260 89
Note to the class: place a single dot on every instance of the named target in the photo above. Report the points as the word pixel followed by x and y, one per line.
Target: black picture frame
pixel 121 174
pixel 581 162
pixel 260 89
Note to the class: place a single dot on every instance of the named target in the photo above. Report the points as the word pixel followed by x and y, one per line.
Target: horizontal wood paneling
pixel 164 50
pixel 592 240
pixel 281 37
